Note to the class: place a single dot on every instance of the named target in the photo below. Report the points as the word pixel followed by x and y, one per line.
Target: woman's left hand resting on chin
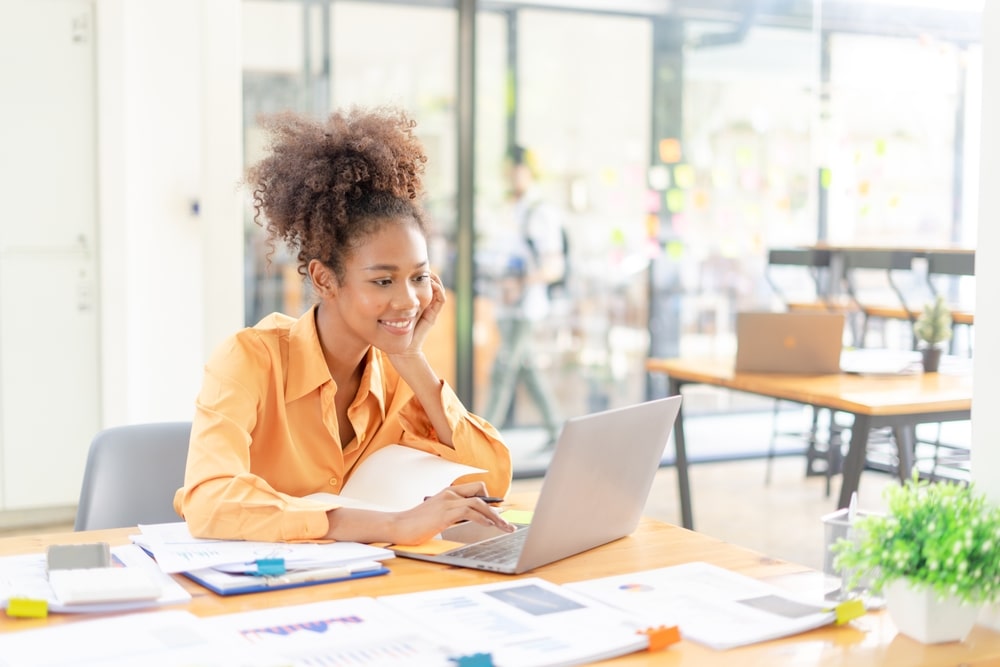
pixel 424 323
pixel 462 502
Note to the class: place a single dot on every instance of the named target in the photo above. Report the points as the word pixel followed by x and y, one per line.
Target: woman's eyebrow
pixel 392 267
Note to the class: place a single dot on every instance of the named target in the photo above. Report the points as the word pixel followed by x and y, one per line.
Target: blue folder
pixel 227 583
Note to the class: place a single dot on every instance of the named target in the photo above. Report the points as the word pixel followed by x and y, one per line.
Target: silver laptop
pixel 594 491
pixel 791 342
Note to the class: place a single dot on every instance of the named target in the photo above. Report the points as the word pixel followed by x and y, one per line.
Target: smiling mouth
pixel 397 325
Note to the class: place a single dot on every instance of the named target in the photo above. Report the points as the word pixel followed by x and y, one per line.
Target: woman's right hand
pixel 455 504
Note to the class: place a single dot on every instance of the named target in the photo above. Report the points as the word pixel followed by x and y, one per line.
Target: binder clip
pixel 270 567
pixel 848 610
pixel 27 608
pixel 661 636
pixel 474 660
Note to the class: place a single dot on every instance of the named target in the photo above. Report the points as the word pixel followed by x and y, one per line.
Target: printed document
pixel 176 551
pixel 525 622
pixel 711 605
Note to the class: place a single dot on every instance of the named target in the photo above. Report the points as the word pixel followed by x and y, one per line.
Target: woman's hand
pixel 426 320
pixel 462 502
pixel 443 510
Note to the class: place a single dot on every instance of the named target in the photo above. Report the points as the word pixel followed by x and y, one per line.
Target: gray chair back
pixel 131 475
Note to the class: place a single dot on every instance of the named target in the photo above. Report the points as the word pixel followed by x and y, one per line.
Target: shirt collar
pixel 307 369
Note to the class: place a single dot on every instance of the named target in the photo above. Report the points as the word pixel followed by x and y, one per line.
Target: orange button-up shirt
pixel 265 434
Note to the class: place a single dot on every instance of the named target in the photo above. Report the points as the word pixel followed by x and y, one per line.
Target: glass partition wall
pixel 677 140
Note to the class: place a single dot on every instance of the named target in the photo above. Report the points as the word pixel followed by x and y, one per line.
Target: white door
pixel 49 371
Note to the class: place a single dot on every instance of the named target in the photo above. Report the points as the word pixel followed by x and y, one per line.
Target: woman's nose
pixel 407 296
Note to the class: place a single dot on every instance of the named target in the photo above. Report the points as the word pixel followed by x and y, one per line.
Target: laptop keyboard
pixel 501 550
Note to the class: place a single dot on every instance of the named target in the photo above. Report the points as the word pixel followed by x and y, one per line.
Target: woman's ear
pixel 323 279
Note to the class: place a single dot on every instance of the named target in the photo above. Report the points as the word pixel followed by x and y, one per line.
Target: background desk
pixel 870 640
pixel 898 401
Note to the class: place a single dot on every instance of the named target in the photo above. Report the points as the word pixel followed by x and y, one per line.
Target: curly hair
pixel 326 186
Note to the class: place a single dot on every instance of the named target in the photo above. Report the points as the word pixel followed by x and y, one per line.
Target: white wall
pixel 169 135
pixel 986 389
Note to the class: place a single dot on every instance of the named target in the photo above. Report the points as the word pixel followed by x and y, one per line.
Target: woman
pixel 291 407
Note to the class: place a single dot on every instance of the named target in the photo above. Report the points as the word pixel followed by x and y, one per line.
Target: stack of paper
pixel 233 567
pixel 26 577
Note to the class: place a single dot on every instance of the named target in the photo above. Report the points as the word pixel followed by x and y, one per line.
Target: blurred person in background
pixel 530 252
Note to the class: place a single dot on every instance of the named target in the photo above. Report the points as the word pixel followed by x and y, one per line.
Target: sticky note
pixel 521 517
pixel 848 610
pixel 270 567
pixel 662 636
pixel 474 660
pixel 432 547
pixel 27 608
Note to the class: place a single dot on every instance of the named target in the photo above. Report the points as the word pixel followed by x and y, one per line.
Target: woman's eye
pixel 421 278
pixel 383 282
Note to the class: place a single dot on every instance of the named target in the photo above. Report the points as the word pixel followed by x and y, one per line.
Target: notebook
pixel 594 491
pixel 796 342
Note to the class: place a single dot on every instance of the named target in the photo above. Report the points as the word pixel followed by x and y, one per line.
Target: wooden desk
pixel 900 402
pixel 870 640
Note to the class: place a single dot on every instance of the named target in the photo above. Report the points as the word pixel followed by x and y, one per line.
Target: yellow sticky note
pixel 27 608
pixel 431 547
pixel 849 610
pixel 522 517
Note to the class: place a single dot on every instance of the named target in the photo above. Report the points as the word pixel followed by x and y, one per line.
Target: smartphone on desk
pixel 78 556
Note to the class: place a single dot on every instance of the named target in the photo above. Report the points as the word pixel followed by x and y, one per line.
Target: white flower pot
pixel 918 613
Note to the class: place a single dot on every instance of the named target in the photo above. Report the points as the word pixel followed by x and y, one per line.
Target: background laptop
pixel 594 491
pixel 795 342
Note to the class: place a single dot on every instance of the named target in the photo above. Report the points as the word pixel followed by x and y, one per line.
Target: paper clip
pixel 27 608
pixel 661 636
pixel 474 660
pixel 848 610
pixel 270 567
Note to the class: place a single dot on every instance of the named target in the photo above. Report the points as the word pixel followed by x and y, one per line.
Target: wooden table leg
pixel 680 461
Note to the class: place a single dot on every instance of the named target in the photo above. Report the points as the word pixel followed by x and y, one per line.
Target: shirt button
pixel 333 481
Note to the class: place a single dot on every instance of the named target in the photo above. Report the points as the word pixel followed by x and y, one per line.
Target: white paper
pixel 520 623
pixel 355 631
pixel 526 622
pixel 399 478
pixel 155 639
pixel 711 605
pixel 176 550
pixel 26 576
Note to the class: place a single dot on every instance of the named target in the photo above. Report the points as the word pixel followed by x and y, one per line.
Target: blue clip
pixel 270 567
pixel 474 660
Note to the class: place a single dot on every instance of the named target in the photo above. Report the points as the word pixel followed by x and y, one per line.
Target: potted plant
pixel 933 328
pixel 935 555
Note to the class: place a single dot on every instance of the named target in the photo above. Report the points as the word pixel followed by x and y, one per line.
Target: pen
pixel 320 574
pixel 485 499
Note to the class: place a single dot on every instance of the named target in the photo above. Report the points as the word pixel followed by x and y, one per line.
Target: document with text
pixel 712 606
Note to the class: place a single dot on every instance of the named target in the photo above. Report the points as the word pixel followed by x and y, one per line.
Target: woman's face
pixel 386 286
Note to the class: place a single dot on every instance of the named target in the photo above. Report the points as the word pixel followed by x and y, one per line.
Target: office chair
pixel 131 475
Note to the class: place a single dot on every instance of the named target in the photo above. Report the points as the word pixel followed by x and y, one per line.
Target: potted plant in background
pixel 933 328
pixel 934 555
